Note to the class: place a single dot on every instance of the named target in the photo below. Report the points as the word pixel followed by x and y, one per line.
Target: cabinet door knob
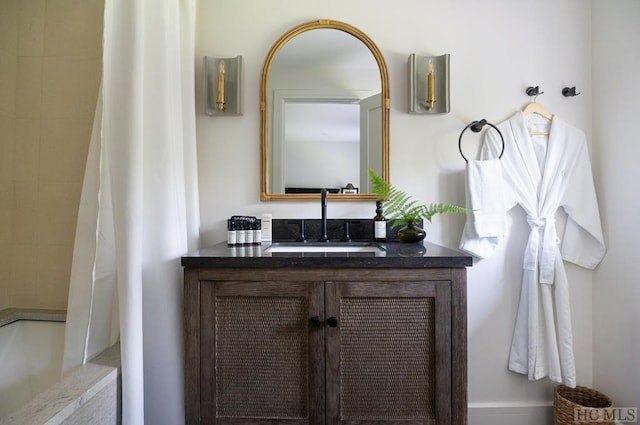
pixel 315 321
pixel 332 322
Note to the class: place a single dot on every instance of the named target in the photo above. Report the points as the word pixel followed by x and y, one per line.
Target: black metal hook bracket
pixel 569 91
pixel 476 126
pixel 534 91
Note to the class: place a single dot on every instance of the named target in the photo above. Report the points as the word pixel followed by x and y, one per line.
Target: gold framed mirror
pixel 324 114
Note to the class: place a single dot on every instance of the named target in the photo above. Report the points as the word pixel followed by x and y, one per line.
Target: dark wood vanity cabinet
pixel 325 346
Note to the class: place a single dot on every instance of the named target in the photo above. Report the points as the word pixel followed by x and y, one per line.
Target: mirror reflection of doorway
pixel 322 144
pixel 318 139
pixel 370 139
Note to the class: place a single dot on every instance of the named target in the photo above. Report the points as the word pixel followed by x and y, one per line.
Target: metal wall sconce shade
pixel 223 86
pixel 428 84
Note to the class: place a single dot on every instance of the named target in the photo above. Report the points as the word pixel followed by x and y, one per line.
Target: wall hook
pixel 569 91
pixel 476 126
pixel 534 91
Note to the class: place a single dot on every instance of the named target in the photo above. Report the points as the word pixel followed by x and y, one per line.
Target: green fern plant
pixel 401 209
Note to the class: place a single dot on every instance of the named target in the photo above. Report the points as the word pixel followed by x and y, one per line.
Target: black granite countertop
pixel 394 255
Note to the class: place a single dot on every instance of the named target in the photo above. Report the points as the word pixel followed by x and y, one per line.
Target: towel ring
pixel 476 126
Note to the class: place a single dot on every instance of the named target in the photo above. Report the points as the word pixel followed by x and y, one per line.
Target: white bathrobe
pixel 542 174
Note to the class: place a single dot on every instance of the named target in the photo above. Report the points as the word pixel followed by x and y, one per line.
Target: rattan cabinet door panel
pixel 262 352
pixel 388 352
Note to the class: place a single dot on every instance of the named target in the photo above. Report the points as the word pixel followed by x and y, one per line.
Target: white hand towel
pixel 485 197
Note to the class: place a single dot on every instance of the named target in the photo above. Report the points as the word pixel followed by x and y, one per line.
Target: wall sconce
pixel 223 86
pixel 428 84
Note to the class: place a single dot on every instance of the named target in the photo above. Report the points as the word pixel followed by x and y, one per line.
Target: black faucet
pixel 323 224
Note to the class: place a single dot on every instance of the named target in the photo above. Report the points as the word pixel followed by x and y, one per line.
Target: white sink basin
pixel 337 247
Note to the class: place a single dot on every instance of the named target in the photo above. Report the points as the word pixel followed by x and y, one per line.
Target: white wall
pixel 497 48
pixel 616 329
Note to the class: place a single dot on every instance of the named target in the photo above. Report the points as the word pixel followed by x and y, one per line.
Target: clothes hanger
pixel 536 108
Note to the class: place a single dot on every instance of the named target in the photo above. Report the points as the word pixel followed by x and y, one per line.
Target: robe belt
pixel 543 233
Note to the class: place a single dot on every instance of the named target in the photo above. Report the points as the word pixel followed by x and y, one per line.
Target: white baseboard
pixel 520 413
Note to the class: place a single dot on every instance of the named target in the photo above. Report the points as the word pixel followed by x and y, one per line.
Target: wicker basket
pixel 581 406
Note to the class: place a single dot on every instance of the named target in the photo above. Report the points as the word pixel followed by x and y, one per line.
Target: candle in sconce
pixel 221 71
pixel 431 87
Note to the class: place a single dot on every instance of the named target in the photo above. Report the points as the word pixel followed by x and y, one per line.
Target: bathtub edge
pixel 75 390
pixel 13 314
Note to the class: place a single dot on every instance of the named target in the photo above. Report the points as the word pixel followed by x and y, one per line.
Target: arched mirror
pixel 324 100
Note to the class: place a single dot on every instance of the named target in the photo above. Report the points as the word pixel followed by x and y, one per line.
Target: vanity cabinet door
pixel 388 352
pixel 262 352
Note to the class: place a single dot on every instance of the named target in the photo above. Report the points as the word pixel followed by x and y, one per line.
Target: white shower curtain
pixel 139 207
